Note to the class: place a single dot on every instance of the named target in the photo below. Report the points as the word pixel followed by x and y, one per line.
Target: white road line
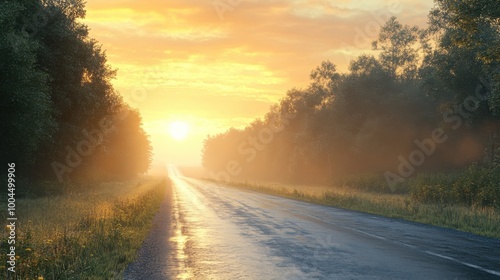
pixel 464 263
pixel 366 233
pixel 404 244
pixel 493 272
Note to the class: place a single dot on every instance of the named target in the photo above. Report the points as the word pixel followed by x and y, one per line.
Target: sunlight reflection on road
pixel 209 247
pixel 179 239
pixel 225 233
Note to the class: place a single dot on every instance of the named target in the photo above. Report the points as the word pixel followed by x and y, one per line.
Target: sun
pixel 179 130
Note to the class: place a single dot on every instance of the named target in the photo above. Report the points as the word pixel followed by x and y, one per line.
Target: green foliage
pixel 55 84
pixel 25 102
pixel 475 186
pixel 397 45
pixel 469 49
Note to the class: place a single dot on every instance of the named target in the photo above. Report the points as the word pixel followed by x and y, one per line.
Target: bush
pixel 477 185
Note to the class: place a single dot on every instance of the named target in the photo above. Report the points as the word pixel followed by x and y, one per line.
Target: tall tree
pixel 467 60
pixel 25 102
pixel 397 45
pixel 55 87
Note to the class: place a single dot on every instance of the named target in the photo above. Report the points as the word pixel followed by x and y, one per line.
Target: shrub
pixel 477 185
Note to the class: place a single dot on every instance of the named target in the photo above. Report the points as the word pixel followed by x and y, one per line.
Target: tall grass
pixel 88 233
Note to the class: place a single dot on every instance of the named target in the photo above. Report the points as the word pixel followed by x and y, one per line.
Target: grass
pixel 478 220
pixel 90 233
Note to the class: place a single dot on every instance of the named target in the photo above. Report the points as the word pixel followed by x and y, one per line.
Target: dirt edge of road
pixel 151 261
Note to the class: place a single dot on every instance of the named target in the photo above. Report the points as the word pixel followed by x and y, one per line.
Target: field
pixel 91 232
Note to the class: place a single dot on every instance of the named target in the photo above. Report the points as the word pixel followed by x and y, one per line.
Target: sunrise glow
pixel 221 68
pixel 179 130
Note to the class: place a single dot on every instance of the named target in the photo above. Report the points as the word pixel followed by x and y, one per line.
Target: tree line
pixel 428 100
pixel 61 117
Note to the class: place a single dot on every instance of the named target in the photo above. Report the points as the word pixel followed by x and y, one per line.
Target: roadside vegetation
pixel 410 130
pixel 69 134
pixel 89 232
pixel 424 100
pixel 66 121
pixel 75 147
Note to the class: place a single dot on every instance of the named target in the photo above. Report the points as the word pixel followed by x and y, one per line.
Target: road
pixel 207 231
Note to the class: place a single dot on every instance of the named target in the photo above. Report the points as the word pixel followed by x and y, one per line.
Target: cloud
pixel 189 60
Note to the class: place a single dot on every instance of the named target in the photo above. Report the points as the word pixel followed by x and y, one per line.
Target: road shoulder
pixel 151 261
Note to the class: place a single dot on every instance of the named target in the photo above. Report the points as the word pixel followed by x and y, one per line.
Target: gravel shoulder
pixel 151 261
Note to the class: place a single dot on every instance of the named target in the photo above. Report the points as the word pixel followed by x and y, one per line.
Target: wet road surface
pixel 207 231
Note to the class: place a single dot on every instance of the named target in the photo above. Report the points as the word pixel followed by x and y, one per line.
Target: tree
pixel 55 86
pixel 467 60
pixel 81 91
pixel 398 54
pixel 25 102
pixel 472 24
pixel 382 107
pixel 126 151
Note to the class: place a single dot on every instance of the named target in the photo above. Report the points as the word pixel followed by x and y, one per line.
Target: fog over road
pixel 208 231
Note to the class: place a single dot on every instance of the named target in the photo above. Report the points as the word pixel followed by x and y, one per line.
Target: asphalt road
pixel 206 231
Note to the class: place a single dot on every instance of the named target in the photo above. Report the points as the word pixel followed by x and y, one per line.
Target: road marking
pixel 464 263
pixel 496 273
pixel 493 272
pixel 404 244
pixel 364 232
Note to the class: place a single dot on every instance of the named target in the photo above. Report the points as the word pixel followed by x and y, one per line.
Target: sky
pixel 216 64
